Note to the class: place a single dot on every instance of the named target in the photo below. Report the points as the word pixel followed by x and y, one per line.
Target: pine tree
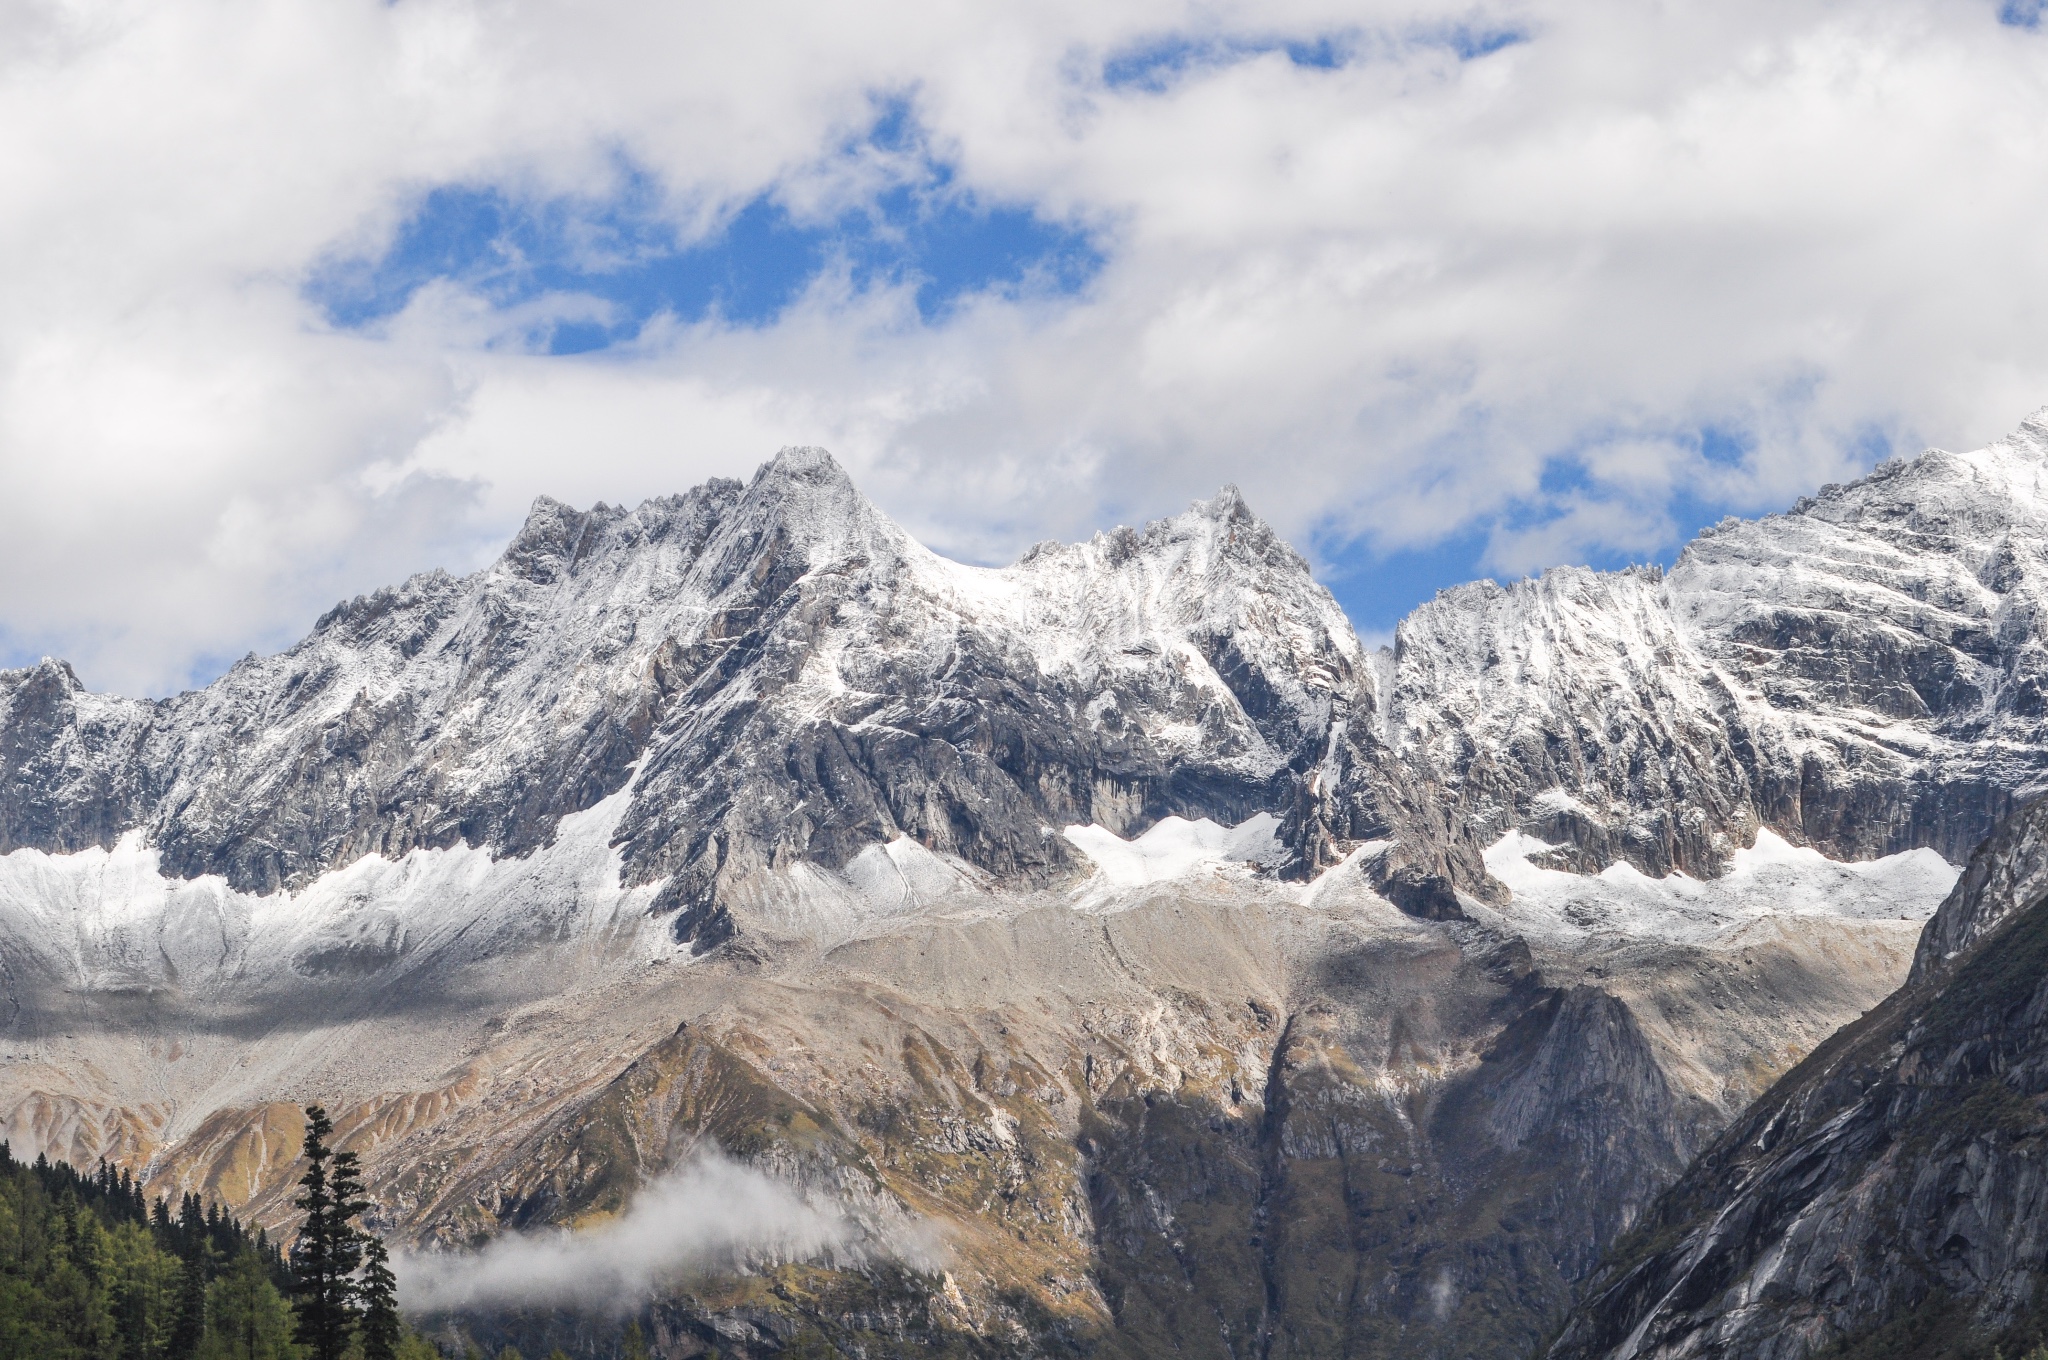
pixel 246 1320
pixel 379 1294
pixel 190 1328
pixel 329 1247
pixel 345 1184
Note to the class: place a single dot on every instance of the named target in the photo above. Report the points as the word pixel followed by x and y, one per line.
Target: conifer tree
pixel 246 1320
pixel 190 1328
pixel 90 1270
pixel 379 1294
pixel 329 1248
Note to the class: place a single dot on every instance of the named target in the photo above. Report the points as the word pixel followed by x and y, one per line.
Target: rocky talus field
pixel 1118 955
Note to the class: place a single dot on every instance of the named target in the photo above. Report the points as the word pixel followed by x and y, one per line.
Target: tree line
pixel 91 1269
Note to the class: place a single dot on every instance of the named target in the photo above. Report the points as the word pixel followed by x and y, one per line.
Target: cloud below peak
pixel 711 1213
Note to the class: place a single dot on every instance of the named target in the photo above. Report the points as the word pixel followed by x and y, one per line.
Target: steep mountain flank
pixel 785 676
pixel 1885 1198
pixel 1863 675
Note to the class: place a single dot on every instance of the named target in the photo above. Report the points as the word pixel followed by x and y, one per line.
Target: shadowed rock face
pixel 1888 1195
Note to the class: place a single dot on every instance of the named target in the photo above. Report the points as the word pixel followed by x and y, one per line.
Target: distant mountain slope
pixel 781 673
pixel 1864 674
pixel 1888 1195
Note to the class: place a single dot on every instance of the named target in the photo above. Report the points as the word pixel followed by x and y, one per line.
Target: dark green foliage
pixel 378 1291
pixel 89 1270
pixel 247 1319
pixel 330 1246
pixel 195 1272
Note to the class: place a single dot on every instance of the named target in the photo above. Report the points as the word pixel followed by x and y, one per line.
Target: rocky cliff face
pixel 1200 980
pixel 1886 1197
pixel 1863 674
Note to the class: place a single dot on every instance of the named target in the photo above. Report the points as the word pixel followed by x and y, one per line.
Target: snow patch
pixel 1557 802
pixel 1175 847
pixel 885 881
pixel 112 920
pixel 1771 878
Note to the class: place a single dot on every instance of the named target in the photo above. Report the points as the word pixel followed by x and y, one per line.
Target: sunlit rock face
pixel 1191 975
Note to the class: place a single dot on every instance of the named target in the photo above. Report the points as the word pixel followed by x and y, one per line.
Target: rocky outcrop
pixel 1863 674
pixel 1887 1196
pixel 71 766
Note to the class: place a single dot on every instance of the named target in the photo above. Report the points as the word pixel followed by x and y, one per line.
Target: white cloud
pixel 1379 297
pixel 711 1213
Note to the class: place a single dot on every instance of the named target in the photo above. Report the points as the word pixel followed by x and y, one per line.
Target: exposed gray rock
pixel 792 677
pixel 1897 1170
pixel 71 770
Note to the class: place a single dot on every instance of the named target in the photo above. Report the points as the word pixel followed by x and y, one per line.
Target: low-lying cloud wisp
pixel 709 1213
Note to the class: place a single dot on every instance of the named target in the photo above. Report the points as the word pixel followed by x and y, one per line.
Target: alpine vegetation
pixel 90 1267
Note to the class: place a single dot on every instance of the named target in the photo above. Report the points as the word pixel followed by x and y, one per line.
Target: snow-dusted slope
pixel 1864 674
pixel 1767 881
pixel 1576 707
pixel 774 673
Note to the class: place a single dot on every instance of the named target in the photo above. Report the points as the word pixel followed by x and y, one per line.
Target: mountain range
pixel 1133 959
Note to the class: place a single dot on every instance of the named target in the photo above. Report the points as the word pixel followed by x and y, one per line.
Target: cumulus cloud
pixel 1535 270
pixel 712 1213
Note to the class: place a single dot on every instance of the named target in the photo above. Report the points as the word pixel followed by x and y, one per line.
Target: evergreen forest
pixel 92 1269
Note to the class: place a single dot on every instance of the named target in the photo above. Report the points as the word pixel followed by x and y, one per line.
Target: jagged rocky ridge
pixel 1886 1197
pixel 784 676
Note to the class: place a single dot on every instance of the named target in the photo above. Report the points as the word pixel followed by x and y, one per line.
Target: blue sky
pixel 624 249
